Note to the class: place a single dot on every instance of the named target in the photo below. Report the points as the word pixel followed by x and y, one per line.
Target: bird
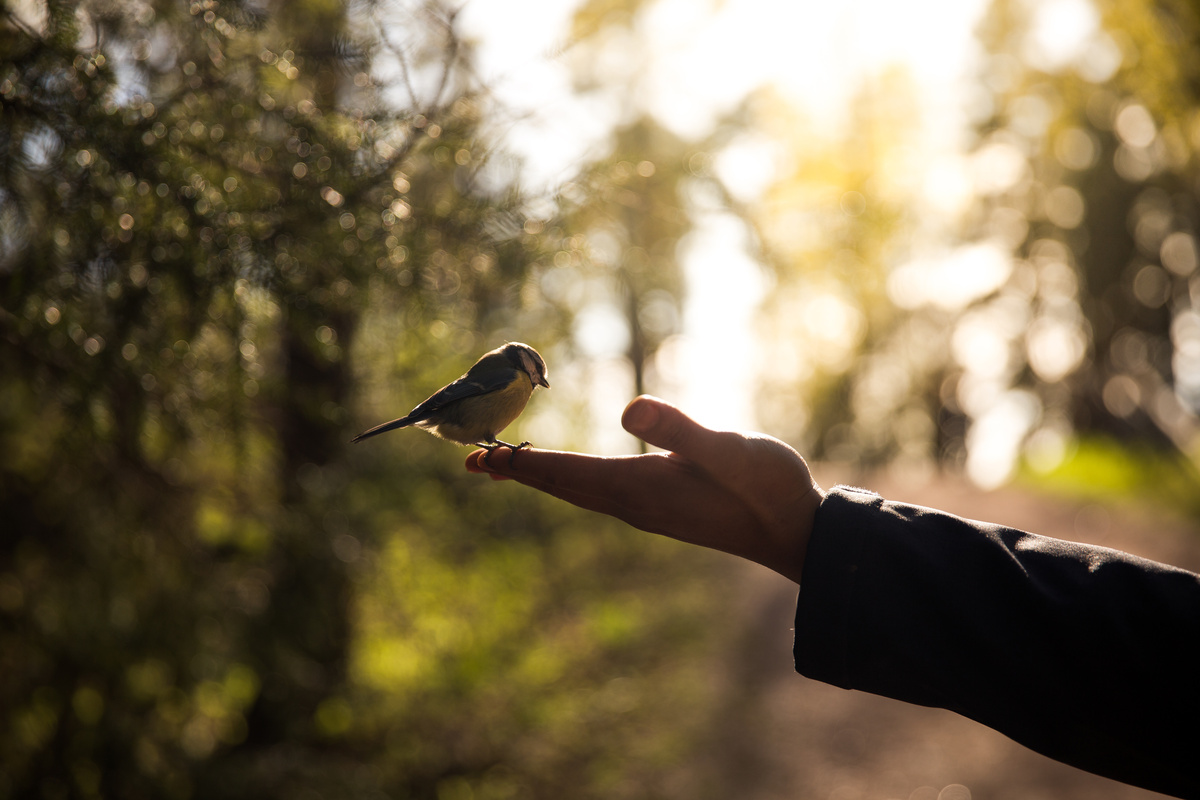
pixel 481 403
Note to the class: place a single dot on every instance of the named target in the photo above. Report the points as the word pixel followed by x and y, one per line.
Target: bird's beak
pixel 543 382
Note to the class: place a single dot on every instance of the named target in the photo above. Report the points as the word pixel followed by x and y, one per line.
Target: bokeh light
pixel 919 242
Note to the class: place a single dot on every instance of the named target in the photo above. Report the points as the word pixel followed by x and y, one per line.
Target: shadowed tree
pixel 1101 213
pixel 196 198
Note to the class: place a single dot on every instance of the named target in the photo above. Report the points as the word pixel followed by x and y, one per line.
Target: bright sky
pixel 686 63
pixel 689 61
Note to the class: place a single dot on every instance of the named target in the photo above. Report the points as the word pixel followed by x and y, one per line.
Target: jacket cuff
pixel 824 606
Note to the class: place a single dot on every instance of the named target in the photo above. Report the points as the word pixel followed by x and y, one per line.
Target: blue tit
pixel 480 404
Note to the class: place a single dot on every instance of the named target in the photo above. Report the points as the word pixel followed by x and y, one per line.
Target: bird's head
pixel 525 358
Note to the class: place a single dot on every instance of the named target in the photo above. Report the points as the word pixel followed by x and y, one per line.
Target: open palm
pixel 743 493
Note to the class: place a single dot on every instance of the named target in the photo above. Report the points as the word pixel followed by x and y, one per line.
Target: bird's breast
pixel 479 419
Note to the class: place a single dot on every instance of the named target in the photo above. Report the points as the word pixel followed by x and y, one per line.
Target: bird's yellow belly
pixel 479 419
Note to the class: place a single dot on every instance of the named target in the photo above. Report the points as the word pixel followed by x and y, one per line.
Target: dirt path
pixel 784 736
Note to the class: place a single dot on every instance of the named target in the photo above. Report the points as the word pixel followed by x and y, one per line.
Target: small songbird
pixel 480 404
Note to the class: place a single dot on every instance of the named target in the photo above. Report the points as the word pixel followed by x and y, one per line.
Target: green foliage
pixel 1103 469
pixel 1102 218
pixel 224 250
pixel 631 209
pixel 1062 300
pixel 515 646
pixel 833 223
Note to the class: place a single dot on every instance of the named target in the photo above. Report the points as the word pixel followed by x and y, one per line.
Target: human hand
pixel 743 493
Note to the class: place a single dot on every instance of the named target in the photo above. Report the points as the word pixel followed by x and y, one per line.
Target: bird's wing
pixel 464 387
pixel 460 389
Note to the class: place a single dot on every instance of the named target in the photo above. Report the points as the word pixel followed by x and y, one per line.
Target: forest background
pixel 233 234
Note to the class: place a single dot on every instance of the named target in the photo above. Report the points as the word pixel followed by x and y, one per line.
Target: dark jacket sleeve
pixel 1085 654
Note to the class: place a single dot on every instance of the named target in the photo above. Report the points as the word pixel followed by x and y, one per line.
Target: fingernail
pixel 477 464
pixel 640 417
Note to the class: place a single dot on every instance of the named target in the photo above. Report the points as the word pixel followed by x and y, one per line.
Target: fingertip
pixel 641 415
pixel 475 462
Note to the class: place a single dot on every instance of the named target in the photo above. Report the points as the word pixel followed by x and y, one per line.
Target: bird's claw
pixel 512 454
pixel 512 451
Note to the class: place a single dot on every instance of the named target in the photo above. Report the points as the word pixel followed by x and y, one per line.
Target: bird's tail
pixel 403 422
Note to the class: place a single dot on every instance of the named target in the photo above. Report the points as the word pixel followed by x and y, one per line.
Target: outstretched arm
pixel 1085 654
pixel 743 493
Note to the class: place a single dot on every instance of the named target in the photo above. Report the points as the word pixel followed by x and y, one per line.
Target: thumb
pixel 661 424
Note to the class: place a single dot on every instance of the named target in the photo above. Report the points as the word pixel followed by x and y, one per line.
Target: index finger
pixel 620 486
pixel 578 472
